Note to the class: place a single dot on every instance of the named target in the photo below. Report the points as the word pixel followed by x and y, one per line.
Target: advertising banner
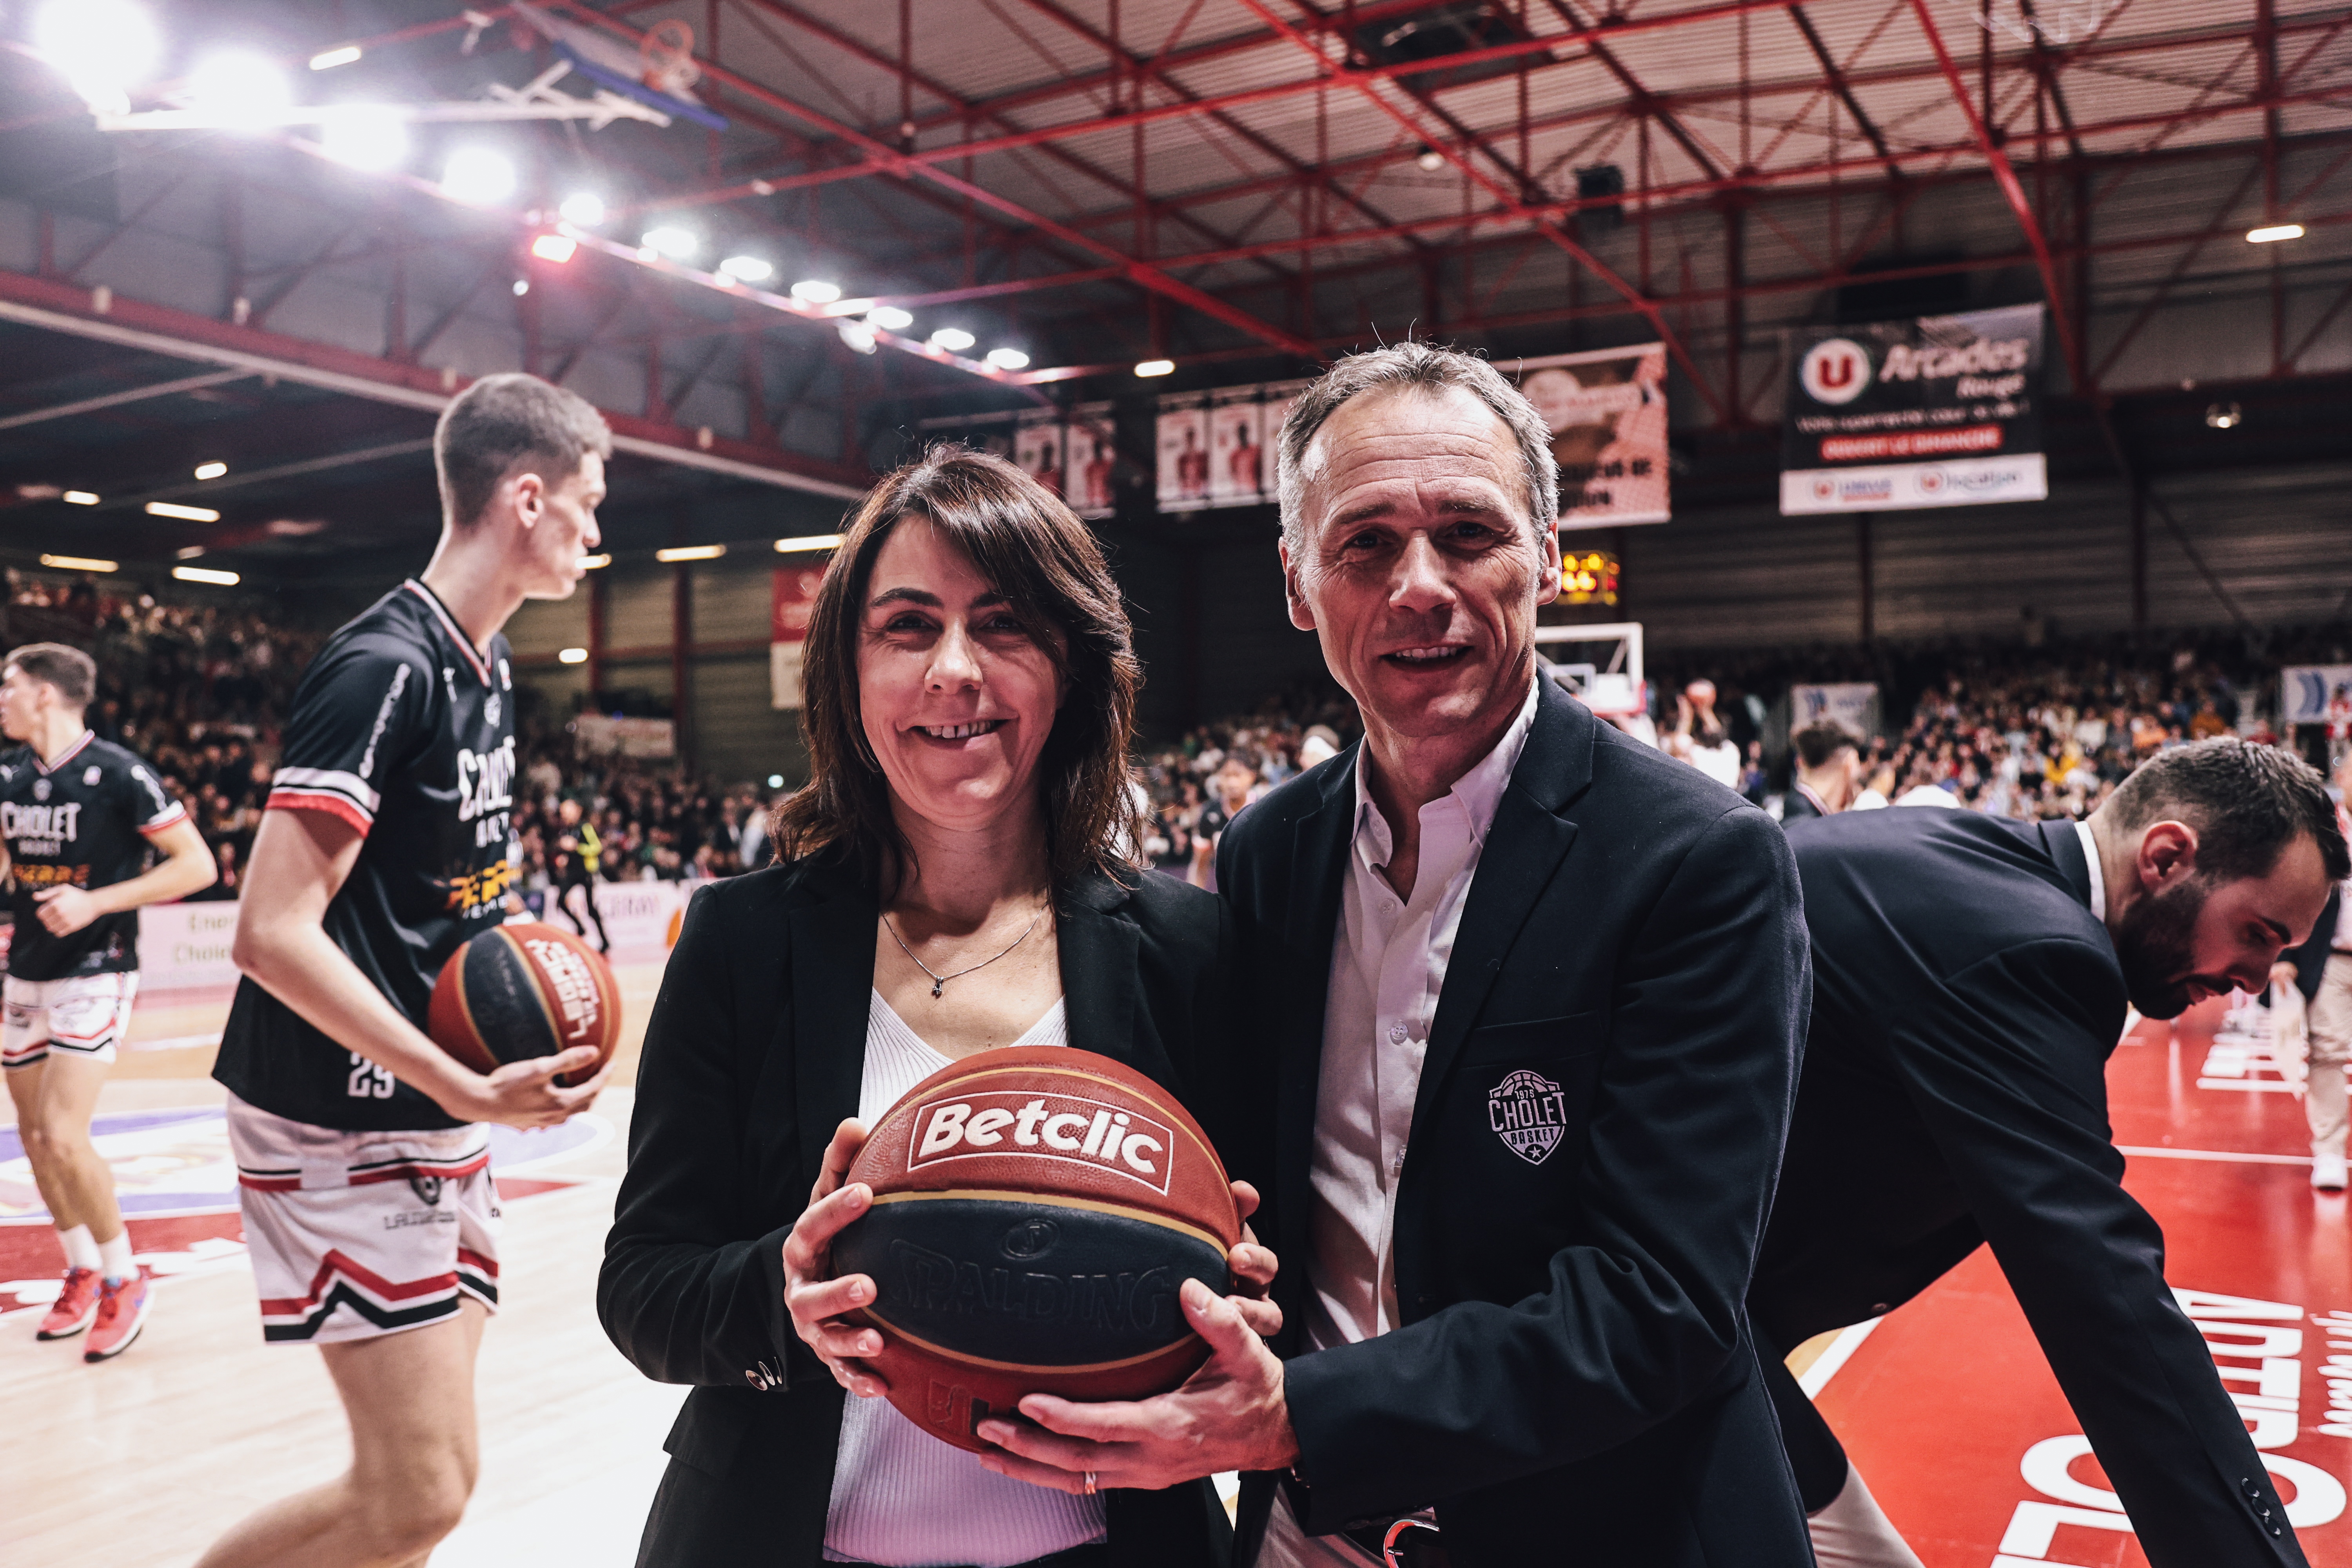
pixel 1038 445
pixel 1183 452
pixel 1853 703
pixel 2315 694
pixel 601 734
pixel 1935 411
pixel 1088 455
pixel 1238 472
pixel 184 947
pixel 1607 410
pixel 788 621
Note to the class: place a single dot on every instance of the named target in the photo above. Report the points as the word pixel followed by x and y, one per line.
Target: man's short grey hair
pixel 1411 367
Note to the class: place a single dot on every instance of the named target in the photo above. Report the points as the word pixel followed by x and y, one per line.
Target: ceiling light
pixel 808 542
pixel 102 48
pixel 366 136
pixel 1429 160
pixel 2273 233
pixel 553 248
pixel 955 340
pixel 815 291
pixel 2224 416
pixel 1156 367
pixel 80 564
pixel 585 208
pixel 673 242
pixel 244 90
pixel 591 562
pixel 206 574
pixel 1008 359
pixel 184 513
pixel 521 287
pixel 890 318
pixel 775 781
pixel 187 552
pixel 857 335
pixel 79 498
pixel 327 61
pixel 689 553
pixel 211 470
pixel 478 176
pixel 750 269
pixel 571 656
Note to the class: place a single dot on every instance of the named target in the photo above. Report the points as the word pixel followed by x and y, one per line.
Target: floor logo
pixel 1528 1113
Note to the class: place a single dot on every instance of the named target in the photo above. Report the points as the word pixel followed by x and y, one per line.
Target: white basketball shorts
pixel 83 1016
pixel 355 1234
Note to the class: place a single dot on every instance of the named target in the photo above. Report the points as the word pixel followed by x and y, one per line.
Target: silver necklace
pixel 938 981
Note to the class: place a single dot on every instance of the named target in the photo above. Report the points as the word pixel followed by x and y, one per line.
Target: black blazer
pixel 753 1056
pixel 1965 1003
pixel 2310 960
pixel 1573 1379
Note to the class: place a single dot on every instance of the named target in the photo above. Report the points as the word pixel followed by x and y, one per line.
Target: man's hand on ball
pixel 525 1093
pixel 66 910
pixel 1254 1267
pixel 815 1299
pixel 1228 1416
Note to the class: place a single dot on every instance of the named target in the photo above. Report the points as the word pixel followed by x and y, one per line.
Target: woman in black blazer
pixel 954 878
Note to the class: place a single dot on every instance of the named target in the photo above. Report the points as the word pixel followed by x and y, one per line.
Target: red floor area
pixel 1951 1411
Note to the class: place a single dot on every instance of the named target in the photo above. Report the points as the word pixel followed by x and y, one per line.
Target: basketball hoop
pixel 668 51
pixel 2063 22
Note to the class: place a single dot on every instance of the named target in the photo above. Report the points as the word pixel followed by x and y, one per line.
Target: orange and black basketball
pixel 525 990
pixel 1034 1213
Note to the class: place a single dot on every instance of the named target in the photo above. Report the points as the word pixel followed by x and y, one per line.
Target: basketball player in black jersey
pixel 363 1171
pixel 77 815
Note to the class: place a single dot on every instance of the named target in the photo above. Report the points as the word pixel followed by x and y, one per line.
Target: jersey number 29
pixel 368 1081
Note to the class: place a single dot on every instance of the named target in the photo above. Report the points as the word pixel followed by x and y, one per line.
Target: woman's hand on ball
pixel 525 1093
pixel 1254 1267
pixel 815 1299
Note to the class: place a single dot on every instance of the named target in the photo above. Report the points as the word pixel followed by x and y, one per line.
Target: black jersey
pixel 404 731
pixel 81 821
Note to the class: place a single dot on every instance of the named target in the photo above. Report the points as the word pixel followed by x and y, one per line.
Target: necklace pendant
pixel 937 986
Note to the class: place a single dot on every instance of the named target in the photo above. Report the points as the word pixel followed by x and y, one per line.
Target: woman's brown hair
pixel 1034 550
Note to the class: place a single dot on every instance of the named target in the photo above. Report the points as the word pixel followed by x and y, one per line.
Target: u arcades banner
pixel 1935 411
pixel 1607 410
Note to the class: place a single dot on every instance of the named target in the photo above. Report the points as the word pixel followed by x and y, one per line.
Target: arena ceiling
pixel 1245 188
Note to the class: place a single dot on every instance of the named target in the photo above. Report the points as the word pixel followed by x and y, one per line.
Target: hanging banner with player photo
pixel 788 631
pixel 1935 411
pixel 1607 410
pixel 1183 452
pixel 1238 472
pixel 1087 459
pixel 1038 444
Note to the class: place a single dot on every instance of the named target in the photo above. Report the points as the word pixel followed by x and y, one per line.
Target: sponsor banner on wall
pixel 601 734
pixel 184 947
pixel 1088 456
pixel 1237 468
pixel 1934 411
pixel 1607 411
pixel 1853 703
pixel 795 596
pixel 1183 445
pixel 2315 694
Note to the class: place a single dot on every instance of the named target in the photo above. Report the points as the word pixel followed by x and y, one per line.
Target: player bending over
pixel 361 1172
pixel 77 815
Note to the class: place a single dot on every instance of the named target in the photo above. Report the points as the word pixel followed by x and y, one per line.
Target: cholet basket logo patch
pixel 1528 1113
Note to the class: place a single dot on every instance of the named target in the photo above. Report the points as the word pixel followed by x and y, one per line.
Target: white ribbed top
pixel 902 1497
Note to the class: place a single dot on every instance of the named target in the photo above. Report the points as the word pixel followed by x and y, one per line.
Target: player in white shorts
pixel 77 818
pixel 362 1169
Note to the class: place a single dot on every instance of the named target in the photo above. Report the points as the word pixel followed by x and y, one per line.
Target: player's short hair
pixel 1823 739
pixel 505 423
pixel 2247 801
pixel 72 673
pixel 1413 367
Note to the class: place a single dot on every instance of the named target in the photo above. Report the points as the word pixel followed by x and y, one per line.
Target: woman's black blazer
pixel 754 1054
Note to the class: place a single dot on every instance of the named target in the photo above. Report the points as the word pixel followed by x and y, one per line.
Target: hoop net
pixel 2055 21
pixel 668 51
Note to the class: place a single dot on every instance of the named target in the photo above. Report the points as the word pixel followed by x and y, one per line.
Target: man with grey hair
pixel 1527 998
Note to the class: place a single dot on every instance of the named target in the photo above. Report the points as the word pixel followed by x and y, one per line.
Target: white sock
pixel 115 1258
pixel 1852 1532
pixel 81 1252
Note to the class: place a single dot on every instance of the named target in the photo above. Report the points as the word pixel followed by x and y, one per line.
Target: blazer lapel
pixel 832 984
pixel 1099 990
pixel 1523 849
pixel 1318 861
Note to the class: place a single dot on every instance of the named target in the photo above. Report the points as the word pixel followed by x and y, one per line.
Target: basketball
pixel 1034 1213
pixel 525 990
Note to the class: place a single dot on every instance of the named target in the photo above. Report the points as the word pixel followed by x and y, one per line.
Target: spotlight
pixel 807 543
pixel 890 318
pixel 1429 160
pixel 955 340
pixel 554 247
pixel 80 564
pixel 591 562
pixel 184 513
pixel 571 656
pixel 79 498
pixel 775 781
pixel 211 470
pixel 815 291
pixel 857 335
pixel 2224 416
pixel 348 54
pixel 102 48
pixel 364 136
pixel 2271 234
pixel 689 553
pixel 521 287
pixel 244 90
pixel 478 176
pixel 1156 367
pixel 206 574
pixel 585 208
pixel 749 268
pixel 187 552
pixel 1008 359
pixel 673 242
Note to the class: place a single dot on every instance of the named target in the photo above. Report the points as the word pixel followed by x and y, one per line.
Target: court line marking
pixel 1841 1349
pixel 2223 1155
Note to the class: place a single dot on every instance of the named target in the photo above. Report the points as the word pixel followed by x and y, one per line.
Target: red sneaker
pixel 121 1313
pixel 76 1305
